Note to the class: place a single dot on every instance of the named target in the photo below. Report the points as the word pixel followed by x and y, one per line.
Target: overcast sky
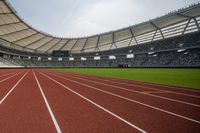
pixel 79 18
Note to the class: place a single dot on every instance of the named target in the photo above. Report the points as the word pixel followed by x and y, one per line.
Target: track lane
pixel 84 118
pixel 24 109
pixel 168 95
pixel 177 108
pixel 5 71
pixel 2 76
pixel 76 114
pixel 9 76
pixel 8 82
pixel 178 97
pixel 47 105
pixel 143 85
pixel 142 115
pixel 184 100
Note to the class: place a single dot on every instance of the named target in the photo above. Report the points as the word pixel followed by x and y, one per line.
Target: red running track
pixel 46 102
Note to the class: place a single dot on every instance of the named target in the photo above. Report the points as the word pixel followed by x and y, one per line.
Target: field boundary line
pixel 131 82
pixel 141 86
pixel 154 92
pixel 2 100
pixel 47 105
pixel 122 88
pixel 135 101
pixel 95 104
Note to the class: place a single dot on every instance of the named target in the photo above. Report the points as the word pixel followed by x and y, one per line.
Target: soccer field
pixel 177 77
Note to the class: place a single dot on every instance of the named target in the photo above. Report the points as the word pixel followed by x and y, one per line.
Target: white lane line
pixel 13 88
pixel 97 105
pixel 135 101
pixel 48 106
pixel 159 85
pixel 170 99
pixel 121 81
pixel 6 74
pixel 122 88
pixel 141 86
pixel 9 77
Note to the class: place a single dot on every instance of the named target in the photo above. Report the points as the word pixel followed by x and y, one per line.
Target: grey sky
pixel 78 18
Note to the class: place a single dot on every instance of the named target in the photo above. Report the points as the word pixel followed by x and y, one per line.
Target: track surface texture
pixel 42 101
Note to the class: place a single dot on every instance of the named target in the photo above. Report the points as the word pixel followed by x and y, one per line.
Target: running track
pixel 42 101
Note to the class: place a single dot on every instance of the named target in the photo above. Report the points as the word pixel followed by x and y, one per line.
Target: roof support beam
pixel 113 38
pixel 14 32
pixel 44 44
pixel 186 26
pixel 113 43
pixel 6 13
pixel 130 41
pixel 154 25
pixel 25 37
pixel 10 23
pixel 154 35
pixel 190 17
pixel 34 42
pixel 84 45
pixel 97 45
pixel 53 45
pixel 73 45
pixel 195 20
pixel 133 36
pixel 64 45
pixel 110 47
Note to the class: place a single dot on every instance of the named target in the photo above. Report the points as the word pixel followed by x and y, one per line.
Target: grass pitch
pixel 189 78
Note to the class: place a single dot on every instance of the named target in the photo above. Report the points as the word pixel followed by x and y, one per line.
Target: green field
pixel 178 77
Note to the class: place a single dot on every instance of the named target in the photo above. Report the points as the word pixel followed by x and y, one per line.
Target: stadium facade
pixel 172 40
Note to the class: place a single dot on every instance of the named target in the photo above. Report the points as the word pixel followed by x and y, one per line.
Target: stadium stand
pixel 172 40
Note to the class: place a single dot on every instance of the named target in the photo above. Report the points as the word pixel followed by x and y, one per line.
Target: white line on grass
pixel 97 105
pixel 48 106
pixel 13 88
pixel 135 101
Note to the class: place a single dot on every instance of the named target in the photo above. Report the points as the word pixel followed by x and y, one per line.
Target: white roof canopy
pixel 14 30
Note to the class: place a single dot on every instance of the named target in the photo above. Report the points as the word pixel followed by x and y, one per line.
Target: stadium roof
pixel 22 36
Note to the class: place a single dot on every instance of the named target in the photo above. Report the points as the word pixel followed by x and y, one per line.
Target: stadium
pixel 141 78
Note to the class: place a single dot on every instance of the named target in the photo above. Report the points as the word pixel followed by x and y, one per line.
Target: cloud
pixel 102 16
pixel 78 18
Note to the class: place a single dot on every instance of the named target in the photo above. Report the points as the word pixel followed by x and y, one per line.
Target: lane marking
pixel 135 101
pixel 97 105
pixel 48 106
pixel 122 88
pixel 10 77
pixel 151 92
pixel 121 81
pixel 6 74
pixel 142 86
pixel 2 100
